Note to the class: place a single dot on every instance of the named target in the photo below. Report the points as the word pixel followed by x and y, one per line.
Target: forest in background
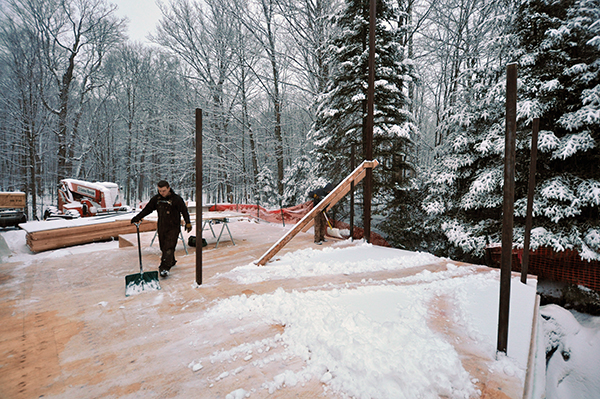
pixel 282 86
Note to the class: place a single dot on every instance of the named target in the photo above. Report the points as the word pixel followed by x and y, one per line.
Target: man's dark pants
pixel 168 241
pixel 320 227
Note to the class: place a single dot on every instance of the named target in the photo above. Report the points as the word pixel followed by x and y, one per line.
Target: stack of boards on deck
pixel 46 235
pixel 12 200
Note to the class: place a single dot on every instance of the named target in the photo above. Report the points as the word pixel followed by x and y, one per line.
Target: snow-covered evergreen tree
pixel 267 188
pixel 559 62
pixel 299 180
pixel 341 113
pixel 464 187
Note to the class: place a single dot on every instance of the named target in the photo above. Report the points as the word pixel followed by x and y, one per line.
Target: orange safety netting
pixel 292 215
pixel 564 266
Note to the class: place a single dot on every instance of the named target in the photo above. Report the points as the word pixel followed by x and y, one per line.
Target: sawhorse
pixel 217 220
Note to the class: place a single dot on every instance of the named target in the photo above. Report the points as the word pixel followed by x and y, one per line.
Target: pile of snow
pixel 572 353
pixel 343 258
pixel 371 342
pixel 140 285
pixel 374 339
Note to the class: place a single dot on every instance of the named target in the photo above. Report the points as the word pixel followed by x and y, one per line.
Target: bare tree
pixel 261 21
pixel 133 71
pixel 75 36
pixel 308 23
pixel 457 36
pixel 25 115
pixel 202 37
pixel 246 57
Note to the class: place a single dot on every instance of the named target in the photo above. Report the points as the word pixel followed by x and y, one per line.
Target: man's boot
pixel 163 270
pixel 167 262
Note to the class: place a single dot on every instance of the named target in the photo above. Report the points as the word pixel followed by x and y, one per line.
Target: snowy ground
pixel 377 339
pixel 572 344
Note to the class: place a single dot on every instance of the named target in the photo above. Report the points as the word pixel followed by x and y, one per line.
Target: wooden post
pixel 508 205
pixel 368 145
pixel 352 166
pixel 530 193
pixel 198 196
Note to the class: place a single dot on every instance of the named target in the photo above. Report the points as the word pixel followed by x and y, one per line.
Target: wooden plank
pixel 12 200
pixel 329 199
pixel 69 241
pixel 124 243
pixel 346 190
pixel 116 225
pixel 78 230
pixel 308 225
pixel 110 230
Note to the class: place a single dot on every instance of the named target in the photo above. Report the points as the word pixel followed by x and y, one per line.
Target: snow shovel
pixel 333 232
pixel 136 283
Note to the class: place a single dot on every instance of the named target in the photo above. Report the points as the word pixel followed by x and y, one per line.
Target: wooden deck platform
pixel 68 331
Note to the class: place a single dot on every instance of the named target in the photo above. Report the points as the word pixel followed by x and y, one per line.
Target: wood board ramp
pixel 326 203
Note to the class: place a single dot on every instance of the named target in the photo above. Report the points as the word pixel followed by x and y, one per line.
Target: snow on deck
pixel 42 225
pixel 342 319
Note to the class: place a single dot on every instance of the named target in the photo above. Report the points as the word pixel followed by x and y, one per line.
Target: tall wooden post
pixel 530 193
pixel 368 145
pixel 198 196
pixel 508 205
pixel 352 166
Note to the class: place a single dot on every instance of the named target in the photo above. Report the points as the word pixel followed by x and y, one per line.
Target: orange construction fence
pixel 564 266
pixel 292 215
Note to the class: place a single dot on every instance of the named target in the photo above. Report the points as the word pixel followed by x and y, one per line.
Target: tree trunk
pixel 63 139
pixel 275 96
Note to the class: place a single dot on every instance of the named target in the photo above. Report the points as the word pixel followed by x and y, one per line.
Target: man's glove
pixel 188 227
pixel 135 220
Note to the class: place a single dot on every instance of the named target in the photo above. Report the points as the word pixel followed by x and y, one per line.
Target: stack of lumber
pixel 43 238
pixel 12 200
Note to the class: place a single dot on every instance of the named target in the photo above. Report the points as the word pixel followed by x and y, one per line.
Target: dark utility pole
pixel 198 196
pixel 508 205
pixel 368 145
pixel 530 192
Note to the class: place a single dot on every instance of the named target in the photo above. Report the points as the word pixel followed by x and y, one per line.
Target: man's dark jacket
pixel 169 209
pixel 320 193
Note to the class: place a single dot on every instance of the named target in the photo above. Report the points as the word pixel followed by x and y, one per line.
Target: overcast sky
pixel 143 16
